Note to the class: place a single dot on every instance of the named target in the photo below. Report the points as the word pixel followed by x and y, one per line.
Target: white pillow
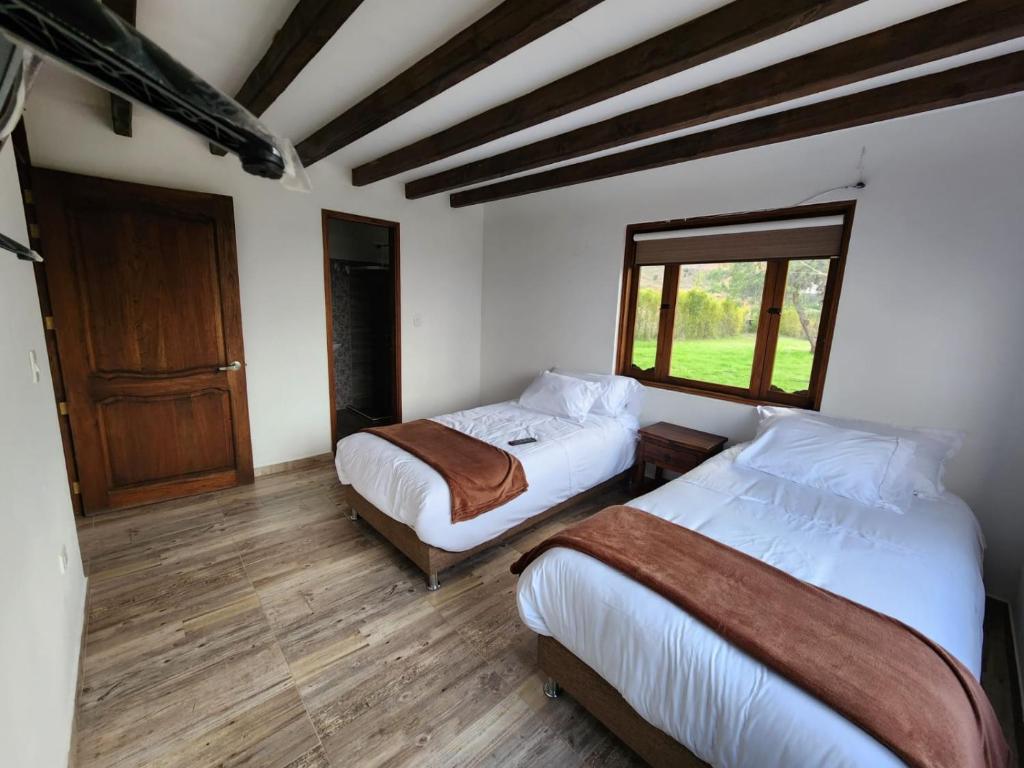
pixel 858 465
pixel 619 394
pixel 635 402
pixel 559 395
pixel 932 447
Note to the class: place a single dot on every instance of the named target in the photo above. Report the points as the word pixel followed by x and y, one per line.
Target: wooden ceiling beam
pixel 739 24
pixel 308 28
pixel 946 32
pixel 973 82
pixel 120 107
pixel 505 29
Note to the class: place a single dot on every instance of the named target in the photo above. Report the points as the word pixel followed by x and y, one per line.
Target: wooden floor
pixel 260 627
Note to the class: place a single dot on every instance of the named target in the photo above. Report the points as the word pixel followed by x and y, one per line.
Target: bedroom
pixel 259 624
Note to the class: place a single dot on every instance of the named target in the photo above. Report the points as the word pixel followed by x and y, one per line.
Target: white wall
pixel 41 607
pixel 930 320
pixel 280 262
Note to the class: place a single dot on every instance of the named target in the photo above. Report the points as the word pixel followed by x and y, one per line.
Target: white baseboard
pixel 79 681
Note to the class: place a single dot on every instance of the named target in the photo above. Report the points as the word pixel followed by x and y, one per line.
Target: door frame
pixel 23 161
pixel 396 247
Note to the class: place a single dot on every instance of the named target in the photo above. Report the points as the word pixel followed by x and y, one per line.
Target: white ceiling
pixel 221 41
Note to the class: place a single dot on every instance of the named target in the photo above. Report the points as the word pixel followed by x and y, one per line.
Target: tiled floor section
pixel 261 627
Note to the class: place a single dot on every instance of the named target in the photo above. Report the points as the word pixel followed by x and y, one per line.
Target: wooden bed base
pixel 432 560
pixel 565 671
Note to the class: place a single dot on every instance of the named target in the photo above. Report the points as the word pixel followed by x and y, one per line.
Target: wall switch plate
pixel 34 363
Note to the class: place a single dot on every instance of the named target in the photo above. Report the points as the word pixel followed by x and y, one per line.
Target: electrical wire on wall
pixel 859 184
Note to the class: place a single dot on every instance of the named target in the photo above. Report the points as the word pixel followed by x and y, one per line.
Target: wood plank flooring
pixel 260 627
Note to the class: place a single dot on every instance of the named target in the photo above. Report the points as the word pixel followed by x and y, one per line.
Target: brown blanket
pixel 479 475
pixel 896 684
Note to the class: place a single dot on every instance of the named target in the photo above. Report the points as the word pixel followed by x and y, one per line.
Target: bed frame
pixel 565 671
pixel 432 560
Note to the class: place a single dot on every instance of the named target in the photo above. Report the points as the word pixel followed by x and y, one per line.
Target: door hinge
pixel 62 408
pixel 48 323
pixel 33 231
pixel 76 489
pixel 27 194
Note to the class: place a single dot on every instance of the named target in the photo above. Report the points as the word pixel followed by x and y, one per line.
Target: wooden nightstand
pixel 672 447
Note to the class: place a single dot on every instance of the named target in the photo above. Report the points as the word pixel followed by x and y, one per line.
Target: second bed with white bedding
pixel 567 459
pixel 922 567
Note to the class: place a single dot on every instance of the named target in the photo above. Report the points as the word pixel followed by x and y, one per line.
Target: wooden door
pixel 144 288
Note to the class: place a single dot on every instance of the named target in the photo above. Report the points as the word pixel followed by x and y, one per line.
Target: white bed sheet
pixel 567 459
pixel 922 567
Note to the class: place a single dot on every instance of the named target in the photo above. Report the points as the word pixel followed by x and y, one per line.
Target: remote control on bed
pixel 523 441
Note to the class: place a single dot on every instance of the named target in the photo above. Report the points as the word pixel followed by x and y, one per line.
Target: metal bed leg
pixel 352 514
pixel 551 688
pixel 432 583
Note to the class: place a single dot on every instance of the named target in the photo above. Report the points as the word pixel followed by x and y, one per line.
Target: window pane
pixel 648 317
pixel 715 330
pixel 798 325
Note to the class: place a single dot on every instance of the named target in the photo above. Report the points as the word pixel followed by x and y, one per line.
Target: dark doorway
pixel 361 280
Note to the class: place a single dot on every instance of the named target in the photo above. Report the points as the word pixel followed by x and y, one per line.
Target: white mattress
pixel 922 567
pixel 567 459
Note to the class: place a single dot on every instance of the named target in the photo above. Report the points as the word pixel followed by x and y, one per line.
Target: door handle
pixel 232 366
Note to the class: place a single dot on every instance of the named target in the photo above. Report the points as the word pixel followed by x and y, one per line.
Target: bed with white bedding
pixel 921 566
pixel 584 427
pixel 567 459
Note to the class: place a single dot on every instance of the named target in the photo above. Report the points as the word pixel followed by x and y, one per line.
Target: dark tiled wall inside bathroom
pixel 340 291
pixel 362 338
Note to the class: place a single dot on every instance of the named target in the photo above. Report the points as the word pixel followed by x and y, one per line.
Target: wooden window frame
pixel 768 326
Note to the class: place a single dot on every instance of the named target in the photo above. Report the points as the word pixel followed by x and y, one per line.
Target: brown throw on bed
pixel 480 476
pixel 894 683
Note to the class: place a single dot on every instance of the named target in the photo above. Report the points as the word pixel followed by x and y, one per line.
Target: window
pixel 740 307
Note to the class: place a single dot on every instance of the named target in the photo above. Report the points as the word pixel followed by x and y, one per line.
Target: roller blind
pixel 808 238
